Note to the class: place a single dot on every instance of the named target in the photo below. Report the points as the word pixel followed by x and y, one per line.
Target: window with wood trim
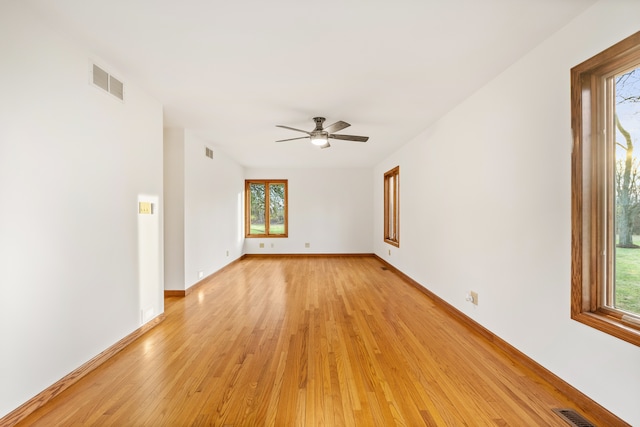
pixel 605 202
pixel 392 206
pixel 266 208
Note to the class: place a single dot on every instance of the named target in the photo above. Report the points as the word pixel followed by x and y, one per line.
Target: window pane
pixel 391 195
pixel 256 209
pixel 391 216
pixel 396 196
pixel 626 292
pixel 276 209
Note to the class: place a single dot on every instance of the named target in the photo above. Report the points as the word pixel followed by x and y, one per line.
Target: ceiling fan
pixel 320 136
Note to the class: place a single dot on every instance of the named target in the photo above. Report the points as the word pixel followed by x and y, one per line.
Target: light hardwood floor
pixel 307 341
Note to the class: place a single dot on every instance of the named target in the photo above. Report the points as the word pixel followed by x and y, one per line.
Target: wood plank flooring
pixel 307 341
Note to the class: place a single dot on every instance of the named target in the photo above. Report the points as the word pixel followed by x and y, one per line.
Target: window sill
pixel 610 325
pixel 392 242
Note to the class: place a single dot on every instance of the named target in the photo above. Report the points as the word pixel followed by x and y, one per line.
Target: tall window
pixel 605 110
pixel 391 206
pixel 266 208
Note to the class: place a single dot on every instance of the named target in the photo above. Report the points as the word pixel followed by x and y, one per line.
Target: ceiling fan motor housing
pixel 319 121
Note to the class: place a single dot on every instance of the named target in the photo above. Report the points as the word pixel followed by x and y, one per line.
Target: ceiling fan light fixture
pixel 320 138
pixel 320 135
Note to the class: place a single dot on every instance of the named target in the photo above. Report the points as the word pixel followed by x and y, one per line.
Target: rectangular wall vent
pixel 116 88
pixel 100 78
pixel 573 418
pixel 208 152
pixel 107 82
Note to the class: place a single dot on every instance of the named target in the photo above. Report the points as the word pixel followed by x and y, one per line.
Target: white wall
pixel 213 221
pixel 174 209
pixel 77 262
pixel 328 208
pixel 485 206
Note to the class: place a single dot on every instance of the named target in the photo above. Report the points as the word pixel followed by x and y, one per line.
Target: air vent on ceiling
pixel 573 418
pixel 208 152
pixel 107 82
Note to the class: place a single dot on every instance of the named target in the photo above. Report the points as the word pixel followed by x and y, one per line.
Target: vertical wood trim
pixel 576 195
pixel 396 207
pixel 286 208
pixel 20 413
pixel 386 207
pixel 247 208
pixel 394 216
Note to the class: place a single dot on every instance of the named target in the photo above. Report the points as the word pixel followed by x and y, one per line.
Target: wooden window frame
pixel 592 260
pixel 394 216
pixel 247 210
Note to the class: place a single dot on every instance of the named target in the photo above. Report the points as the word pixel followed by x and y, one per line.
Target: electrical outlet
pixel 262 245
pixel 307 245
pixel 389 252
pixel 472 297
pixel 273 245
pixel 227 253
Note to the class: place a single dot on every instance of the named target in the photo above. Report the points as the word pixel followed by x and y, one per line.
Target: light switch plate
pixel 145 208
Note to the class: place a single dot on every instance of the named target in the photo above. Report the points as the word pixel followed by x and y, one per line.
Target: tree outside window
pixel 626 292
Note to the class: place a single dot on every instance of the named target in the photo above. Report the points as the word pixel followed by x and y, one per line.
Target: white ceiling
pixel 230 71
